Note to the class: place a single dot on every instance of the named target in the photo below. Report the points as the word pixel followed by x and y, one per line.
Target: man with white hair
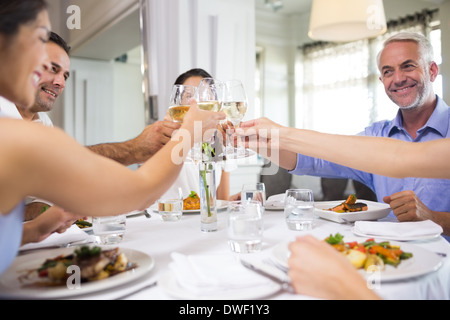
pixel 407 71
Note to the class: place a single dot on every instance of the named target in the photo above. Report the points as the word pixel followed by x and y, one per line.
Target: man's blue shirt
pixel 434 193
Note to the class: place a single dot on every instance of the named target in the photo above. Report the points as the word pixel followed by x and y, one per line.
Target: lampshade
pixel 346 20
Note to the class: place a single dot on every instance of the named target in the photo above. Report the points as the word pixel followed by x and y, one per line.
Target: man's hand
pixel 408 207
pixel 141 148
pixel 153 138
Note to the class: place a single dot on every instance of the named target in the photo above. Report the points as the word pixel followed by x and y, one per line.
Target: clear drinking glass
pixel 255 192
pixel 234 105
pixel 208 94
pixel 109 230
pixel 180 100
pixel 170 209
pixel 245 226
pixel 299 209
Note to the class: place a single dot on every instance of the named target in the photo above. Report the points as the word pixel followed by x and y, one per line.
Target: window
pixel 339 89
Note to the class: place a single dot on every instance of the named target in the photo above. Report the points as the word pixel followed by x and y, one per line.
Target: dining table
pixel 158 240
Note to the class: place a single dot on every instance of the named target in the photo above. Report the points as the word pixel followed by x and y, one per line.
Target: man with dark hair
pixel 55 38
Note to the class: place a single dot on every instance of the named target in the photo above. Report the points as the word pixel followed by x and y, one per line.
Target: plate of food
pixel 351 210
pixel 191 204
pixel 68 272
pixel 84 224
pixel 388 260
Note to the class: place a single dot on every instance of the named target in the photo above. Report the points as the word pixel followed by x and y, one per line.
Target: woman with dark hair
pixel 24 31
pixel 192 77
pixel 46 163
pixel 188 179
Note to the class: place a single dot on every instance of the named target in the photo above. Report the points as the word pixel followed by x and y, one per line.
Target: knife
pixel 285 284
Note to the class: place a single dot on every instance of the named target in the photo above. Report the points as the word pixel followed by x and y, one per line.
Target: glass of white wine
pixel 208 94
pixel 234 105
pixel 180 100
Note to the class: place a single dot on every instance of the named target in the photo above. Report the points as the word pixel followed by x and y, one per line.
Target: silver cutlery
pixel 142 213
pixel 276 265
pixel 284 283
pixel 65 245
pixel 151 285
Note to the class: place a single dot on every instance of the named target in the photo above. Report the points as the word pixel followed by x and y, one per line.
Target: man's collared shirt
pixel 434 193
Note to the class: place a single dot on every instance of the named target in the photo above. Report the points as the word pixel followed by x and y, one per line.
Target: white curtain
pixel 216 35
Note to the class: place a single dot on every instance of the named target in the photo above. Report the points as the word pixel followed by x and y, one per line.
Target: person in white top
pixel 49 164
pixel 51 86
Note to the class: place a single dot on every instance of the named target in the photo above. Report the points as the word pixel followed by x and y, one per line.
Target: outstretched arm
pixel 48 164
pixel 383 156
pixel 141 148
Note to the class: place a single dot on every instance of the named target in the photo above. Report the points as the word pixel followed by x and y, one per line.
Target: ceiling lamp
pixel 274 4
pixel 346 20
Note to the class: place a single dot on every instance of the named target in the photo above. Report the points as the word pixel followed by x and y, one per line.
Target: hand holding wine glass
pixel 234 105
pixel 180 100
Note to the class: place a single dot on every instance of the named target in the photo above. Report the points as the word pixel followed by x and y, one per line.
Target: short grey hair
pixel 425 47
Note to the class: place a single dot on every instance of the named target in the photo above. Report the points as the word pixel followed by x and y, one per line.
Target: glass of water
pixel 254 192
pixel 170 209
pixel 299 209
pixel 245 226
pixel 109 230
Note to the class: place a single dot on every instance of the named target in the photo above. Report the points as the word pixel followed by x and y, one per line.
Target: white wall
pixel 129 117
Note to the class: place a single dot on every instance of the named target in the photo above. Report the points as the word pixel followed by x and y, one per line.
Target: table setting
pixel 175 259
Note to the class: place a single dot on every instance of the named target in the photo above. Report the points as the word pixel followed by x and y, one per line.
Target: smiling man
pixel 407 71
pixel 52 82
pixel 51 86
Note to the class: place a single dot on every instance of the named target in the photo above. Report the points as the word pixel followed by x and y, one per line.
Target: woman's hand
pixel 52 220
pixel 317 269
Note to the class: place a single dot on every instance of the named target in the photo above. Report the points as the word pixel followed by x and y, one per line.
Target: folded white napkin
pixel 58 239
pixel 276 200
pixel 398 229
pixel 205 275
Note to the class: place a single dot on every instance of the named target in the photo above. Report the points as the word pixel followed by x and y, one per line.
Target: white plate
pixel 272 207
pixel 422 262
pixel 375 211
pixel 168 282
pixel 12 288
pixel 400 238
pixel 221 205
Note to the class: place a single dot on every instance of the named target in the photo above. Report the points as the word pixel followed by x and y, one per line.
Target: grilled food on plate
pixel 350 205
pixel 94 263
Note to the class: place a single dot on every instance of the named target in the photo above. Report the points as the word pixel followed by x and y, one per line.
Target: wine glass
pixel 208 96
pixel 234 105
pixel 180 100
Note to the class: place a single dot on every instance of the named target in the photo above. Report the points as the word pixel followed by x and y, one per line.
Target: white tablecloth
pixel 159 239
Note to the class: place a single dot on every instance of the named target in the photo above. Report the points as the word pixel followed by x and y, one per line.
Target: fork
pixel 151 285
pixel 276 265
